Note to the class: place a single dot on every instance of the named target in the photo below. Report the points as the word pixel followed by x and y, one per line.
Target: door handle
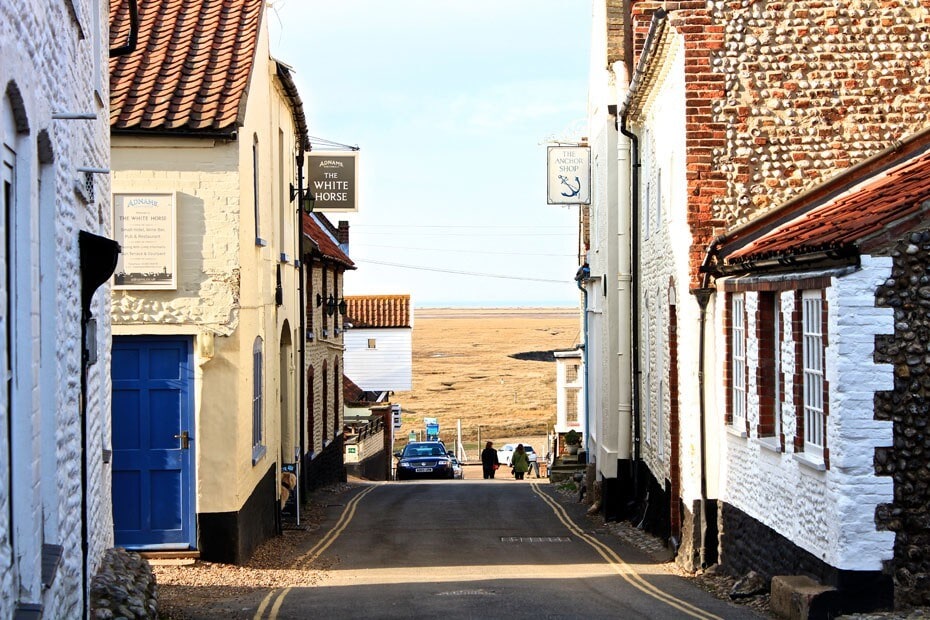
pixel 185 440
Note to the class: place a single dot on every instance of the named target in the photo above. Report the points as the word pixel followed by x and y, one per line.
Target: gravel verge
pixel 207 589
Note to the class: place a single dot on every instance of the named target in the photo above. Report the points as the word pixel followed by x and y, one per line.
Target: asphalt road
pixel 480 549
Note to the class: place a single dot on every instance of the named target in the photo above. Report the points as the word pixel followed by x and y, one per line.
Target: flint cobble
pixel 124 587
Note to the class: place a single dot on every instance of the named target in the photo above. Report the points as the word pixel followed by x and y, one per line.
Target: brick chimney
pixel 342 235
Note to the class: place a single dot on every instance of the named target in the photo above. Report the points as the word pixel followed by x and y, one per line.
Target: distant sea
pixel 563 303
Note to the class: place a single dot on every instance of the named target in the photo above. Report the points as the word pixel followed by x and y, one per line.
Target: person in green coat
pixel 520 462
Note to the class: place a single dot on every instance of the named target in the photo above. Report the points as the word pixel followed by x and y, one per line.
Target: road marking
pixel 619 565
pixel 310 556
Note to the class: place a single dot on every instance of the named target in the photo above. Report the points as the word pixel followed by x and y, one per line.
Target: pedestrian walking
pixel 489 461
pixel 534 464
pixel 520 462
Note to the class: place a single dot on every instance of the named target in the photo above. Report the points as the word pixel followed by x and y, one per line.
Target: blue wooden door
pixel 153 434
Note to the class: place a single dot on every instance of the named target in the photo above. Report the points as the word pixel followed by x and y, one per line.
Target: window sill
pixel 260 242
pixel 771 444
pixel 810 462
pixel 731 430
pixel 257 453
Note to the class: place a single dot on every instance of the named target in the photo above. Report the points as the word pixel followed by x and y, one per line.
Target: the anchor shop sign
pixel 569 175
pixel 333 179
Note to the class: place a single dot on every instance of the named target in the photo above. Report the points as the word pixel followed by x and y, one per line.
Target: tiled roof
pixel 351 393
pixel 378 310
pixel 190 70
pixel 325 244
pixel 868 205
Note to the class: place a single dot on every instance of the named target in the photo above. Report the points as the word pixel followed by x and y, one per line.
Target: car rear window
pixel 416 451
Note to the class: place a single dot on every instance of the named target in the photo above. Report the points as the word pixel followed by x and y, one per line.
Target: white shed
pixel 379 342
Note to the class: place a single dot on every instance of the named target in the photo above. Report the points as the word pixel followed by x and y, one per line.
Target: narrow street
pixel 472 548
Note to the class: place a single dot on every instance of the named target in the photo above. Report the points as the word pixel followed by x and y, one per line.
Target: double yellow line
pixel 306 560
pixel 620 567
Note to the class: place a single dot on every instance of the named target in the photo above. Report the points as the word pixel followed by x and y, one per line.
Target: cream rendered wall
pixel 830 513
pixel 285 406
pixel 203 174
pixel 226 281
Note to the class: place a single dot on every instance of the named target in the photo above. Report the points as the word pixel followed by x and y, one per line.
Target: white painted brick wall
pixel 664 263
pixel 831 514
pixel 56 72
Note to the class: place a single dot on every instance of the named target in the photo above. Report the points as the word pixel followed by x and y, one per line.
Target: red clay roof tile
pixel 378 310
pixel 185 48
pixel 325 243
pixel 868 205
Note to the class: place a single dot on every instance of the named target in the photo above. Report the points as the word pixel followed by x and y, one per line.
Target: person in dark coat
pixel 489 462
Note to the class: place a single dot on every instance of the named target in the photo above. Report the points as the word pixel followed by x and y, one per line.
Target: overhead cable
pixel 477 252
pixel 463 273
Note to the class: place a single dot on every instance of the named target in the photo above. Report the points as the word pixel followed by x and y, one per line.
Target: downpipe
pixel 708 551
pixel 634 296
pixel 581 277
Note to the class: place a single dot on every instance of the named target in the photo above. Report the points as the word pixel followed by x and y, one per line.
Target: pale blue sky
pixel 451 103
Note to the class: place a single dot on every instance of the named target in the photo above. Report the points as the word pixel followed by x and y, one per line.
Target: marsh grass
pixel 491 369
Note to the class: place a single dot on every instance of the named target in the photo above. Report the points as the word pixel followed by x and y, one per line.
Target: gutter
pixel 133 39
pixel 231 133
pixel 656 29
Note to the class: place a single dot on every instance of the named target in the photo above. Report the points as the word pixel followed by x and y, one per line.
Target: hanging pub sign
pixel 145 226
pixel 569 175
pixel 333 180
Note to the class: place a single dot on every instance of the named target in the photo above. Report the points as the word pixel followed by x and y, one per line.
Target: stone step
pixel 797 597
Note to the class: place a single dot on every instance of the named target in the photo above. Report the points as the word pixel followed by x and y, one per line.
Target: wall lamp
pixel 303 194
pixel 306 197
pixel 331 304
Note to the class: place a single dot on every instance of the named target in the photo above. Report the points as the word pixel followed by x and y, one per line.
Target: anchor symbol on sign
pixel 573 191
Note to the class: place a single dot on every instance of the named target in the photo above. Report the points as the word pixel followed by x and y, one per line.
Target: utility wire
pixel 471 234
pixel 475 252
pixel 520 226
pixel 463 273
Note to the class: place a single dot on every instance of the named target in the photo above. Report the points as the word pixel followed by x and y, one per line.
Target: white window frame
pixel 661 372
pixel 658 209
pixel 813 375
pixel 738 386
pixel 647 211
pixel 647 359
pixel 777 368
